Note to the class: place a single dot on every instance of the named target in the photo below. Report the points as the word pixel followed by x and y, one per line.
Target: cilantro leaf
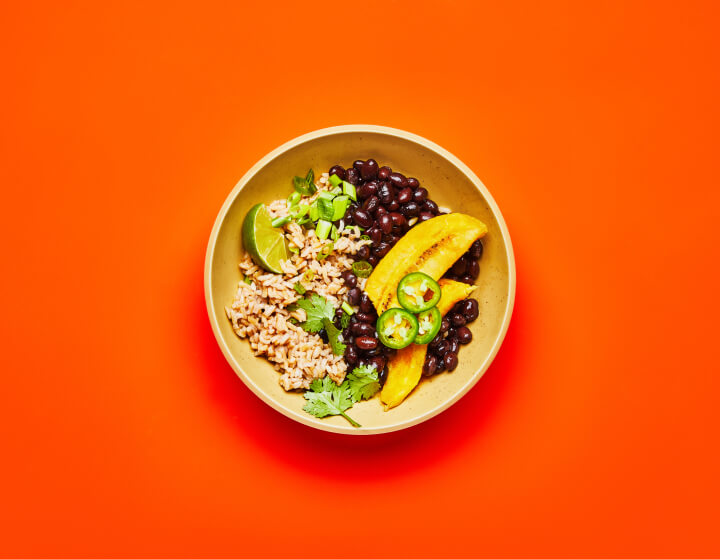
pixel 363 382
pixel 317 308
pixel 333 334
pixel 326 398
pixel 345 320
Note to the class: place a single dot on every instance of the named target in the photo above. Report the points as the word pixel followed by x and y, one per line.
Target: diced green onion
pixel 299 288
pixel 314 211
pixel 334 235
pixel 326 209
pixel 279 222
pixel 303 221
pixel 340 206
pixel 293 199
pixel 347 308
pixel 326 195
pixel 336 191
pixel 335 180
pixel 300 211
pixel 325 251
pixel 293 249
pixel 323 229
pixel 349 189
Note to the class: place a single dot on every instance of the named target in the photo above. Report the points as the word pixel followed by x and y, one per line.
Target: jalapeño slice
pixel 428 325
pixel 418 292
pixel 397 328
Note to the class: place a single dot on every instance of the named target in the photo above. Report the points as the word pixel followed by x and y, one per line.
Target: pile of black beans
pixel 386 202
pixel 467 267
pixel 443 350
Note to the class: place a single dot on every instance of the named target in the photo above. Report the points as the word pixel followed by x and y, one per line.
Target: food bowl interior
pixel 448 185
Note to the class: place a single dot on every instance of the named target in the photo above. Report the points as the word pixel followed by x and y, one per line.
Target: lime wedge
pixel 265 243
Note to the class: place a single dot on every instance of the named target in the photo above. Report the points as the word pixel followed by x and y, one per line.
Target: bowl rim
pixel 298 415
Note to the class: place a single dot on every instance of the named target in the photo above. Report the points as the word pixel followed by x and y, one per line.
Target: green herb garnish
pixel 326 398
pixel 363 382
pixel 316 308
pixel 334 335
pixel 305 186
pixel 299 288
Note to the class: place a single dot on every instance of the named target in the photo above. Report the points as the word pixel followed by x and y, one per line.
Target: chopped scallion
pixel 347 308
pixel 340 206
pixel 349 189
pixel 323 229
pixel 280 221
pixel 335 180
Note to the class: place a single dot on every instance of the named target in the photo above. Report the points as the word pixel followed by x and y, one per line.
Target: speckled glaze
pixel 450 183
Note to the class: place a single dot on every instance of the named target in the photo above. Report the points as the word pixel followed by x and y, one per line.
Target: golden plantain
pixel 430 247
pixel 405 369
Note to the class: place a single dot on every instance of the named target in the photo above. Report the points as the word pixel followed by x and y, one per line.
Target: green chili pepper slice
pixel 429 323
pixel 417 292
pixel 397 328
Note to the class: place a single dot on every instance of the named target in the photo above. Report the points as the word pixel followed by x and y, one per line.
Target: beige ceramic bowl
pixel 450 183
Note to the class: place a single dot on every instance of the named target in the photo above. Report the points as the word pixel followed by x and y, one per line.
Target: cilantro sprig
pixel 327 398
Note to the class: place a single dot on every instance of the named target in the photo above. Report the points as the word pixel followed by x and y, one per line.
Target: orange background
pixel 125 125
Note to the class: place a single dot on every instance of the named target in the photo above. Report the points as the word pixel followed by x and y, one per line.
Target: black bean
pixel 351 354
pixel 384 173
pixel 452 332
pixel 399 180
pixel 378 362
pixel 398 219
pixel 365 317
pixel 410 209
pixel 413 183
pixel 352 176
pixel 389 352
pixel 372 259
pixel 425 216
pixel 381 210
pixel 358 163
pixel 454 345
pixel 338 170
pixel 371 204
pixel 435 342
pixel 366 342
pixel 366 304
pixel 323 335
pixel 405 195
pixel 363 253
pixel 369 170
pixel 366 190
pixel 430 365
pixel 440 366
pixel 393 239
pixel 458 320
pixel 362 329
pixel 464 335
pixel 451 361
pixel 473 269
pixel 460 266
pixel 382 249
pixel 431 206
pixel 467 279
pixel 386 193
pixel 348 217
pixel 385 222
pixel 476 249
pixel 362 218
pixel 351 281
pixel 420 196
pixel 375 234
pixel 353 297
pixel 441 348
pixel 471 310
pixel 382 377
pixel 372 352
pixel 444 325
pixel 393 206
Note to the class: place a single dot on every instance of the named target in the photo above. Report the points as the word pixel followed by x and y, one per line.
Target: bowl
pixel 450 183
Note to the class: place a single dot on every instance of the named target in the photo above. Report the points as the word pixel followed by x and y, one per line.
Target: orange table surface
pixel 595 126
